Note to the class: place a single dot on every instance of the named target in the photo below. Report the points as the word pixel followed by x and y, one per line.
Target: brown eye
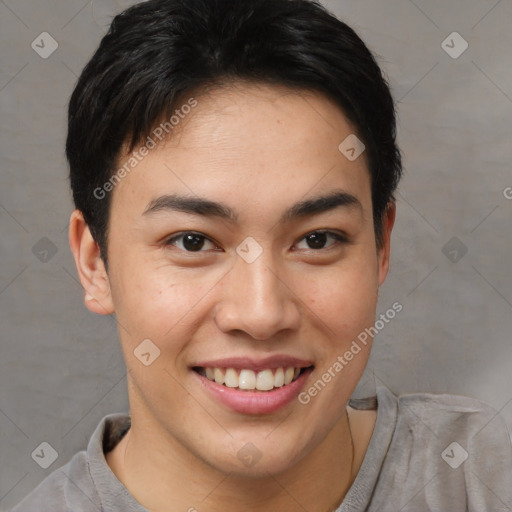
pixel 190 242
pixel 317 239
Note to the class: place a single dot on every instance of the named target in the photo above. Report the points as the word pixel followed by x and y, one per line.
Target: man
pixel 233 165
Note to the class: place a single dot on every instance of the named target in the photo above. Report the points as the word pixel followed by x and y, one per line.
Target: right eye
pixel 190 241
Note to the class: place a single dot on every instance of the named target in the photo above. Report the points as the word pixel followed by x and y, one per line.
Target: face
pixel 223 254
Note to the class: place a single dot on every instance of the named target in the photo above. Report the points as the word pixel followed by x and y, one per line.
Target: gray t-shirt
pixel 435 453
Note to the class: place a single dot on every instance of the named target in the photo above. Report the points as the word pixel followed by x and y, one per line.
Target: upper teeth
pixel 264 380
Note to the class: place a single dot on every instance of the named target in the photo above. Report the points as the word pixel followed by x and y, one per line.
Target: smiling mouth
pixel 249 380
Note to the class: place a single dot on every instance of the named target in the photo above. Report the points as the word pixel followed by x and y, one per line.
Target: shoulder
pixel 69 487
pixel 449 415
pixel 457 424
pixel 86 481
pixel 455 449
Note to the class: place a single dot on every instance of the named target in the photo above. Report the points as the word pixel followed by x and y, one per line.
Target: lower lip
pixel 254 402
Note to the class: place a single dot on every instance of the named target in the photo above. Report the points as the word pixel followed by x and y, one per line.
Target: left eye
pixel 317 239
pixel 191 242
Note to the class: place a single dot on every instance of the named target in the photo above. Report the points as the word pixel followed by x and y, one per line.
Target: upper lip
pixel 248 363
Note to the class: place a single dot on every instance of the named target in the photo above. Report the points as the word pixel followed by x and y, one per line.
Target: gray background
pixel 61 369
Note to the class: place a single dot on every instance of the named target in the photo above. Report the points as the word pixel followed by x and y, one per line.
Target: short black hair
pixel 157 51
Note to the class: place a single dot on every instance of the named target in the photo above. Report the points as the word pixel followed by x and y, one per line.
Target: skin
pixel 259 150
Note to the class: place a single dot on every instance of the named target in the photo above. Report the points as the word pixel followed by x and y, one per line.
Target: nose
pixel 257 299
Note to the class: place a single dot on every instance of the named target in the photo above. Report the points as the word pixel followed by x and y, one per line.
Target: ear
pixel 90 266
pixel 383 253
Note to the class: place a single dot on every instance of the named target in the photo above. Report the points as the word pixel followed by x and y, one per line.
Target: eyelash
pixel 339 239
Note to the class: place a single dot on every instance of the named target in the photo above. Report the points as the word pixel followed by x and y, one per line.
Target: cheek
pixel 343 299
pixel 161 304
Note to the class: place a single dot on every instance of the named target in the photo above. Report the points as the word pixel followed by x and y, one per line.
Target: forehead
pixel 249 142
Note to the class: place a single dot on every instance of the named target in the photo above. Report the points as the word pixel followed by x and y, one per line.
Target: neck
pixel 317 483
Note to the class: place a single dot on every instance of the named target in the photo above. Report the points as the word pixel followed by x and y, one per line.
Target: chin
pixel 256 465
pixel 258 456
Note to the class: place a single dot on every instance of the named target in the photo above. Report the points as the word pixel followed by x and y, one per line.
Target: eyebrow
pixel 205 207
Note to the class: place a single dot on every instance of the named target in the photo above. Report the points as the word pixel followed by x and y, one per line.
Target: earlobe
pixel 90 266
pixel 385 251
